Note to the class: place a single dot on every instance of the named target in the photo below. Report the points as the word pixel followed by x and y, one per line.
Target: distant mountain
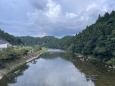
pixel 47 41
pixel 10 38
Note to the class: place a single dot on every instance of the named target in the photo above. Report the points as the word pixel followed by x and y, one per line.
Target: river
pixel 59 68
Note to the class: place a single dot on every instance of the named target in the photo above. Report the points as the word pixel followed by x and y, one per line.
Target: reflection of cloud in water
pixel 55 50
pixel 56 72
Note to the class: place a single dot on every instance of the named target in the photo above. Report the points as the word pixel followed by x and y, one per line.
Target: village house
pixel 3 44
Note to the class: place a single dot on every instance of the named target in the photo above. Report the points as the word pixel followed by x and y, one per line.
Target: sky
pixel 58 18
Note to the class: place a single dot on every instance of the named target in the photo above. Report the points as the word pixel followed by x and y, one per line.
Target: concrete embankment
pixel 28 60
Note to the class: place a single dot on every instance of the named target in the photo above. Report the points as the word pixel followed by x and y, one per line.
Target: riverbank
pixel 110 63
pixel 17 64
pixel 28 60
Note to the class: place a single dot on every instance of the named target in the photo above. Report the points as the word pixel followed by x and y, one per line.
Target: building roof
pixel 3 41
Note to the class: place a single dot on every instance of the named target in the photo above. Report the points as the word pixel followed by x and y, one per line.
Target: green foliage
pixel 10 38
pixel 97 39
pixel 37 48
pixel 111 61
pixel 10 54
pixel 67 42
pixel 47 41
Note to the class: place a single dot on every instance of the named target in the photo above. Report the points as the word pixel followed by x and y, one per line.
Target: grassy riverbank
pixel 14 58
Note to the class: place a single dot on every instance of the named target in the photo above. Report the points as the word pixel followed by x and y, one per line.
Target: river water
pixel 59 68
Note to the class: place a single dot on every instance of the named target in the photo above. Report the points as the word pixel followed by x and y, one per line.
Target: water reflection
pixel 60 69
pixel 12 77
pixel 56 72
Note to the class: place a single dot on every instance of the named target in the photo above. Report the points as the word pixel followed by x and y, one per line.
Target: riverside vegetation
pixel 13 58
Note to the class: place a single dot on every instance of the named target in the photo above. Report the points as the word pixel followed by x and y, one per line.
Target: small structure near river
pixel 3 44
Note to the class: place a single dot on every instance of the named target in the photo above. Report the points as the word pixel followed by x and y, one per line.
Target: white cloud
pixel 41 34
pixel 92 7
pixel 51 17
pixel 71 15
pixel 53 9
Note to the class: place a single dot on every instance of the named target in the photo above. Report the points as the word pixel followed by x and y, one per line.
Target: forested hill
pixel 97 39
pixel 10 38
pixel 47 41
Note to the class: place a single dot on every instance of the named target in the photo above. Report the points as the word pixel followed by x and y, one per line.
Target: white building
pixel 3 44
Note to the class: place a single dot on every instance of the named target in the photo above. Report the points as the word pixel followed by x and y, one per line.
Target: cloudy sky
pixel 50 17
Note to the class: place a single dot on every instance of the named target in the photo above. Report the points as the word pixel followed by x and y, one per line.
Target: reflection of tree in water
pixel 66 56
pixel 12 77
pixel 92 69
pixel 95 71
pixel 34 61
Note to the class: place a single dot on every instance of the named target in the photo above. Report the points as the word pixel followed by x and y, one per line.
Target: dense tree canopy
pixel 98 39
pixel 47 41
